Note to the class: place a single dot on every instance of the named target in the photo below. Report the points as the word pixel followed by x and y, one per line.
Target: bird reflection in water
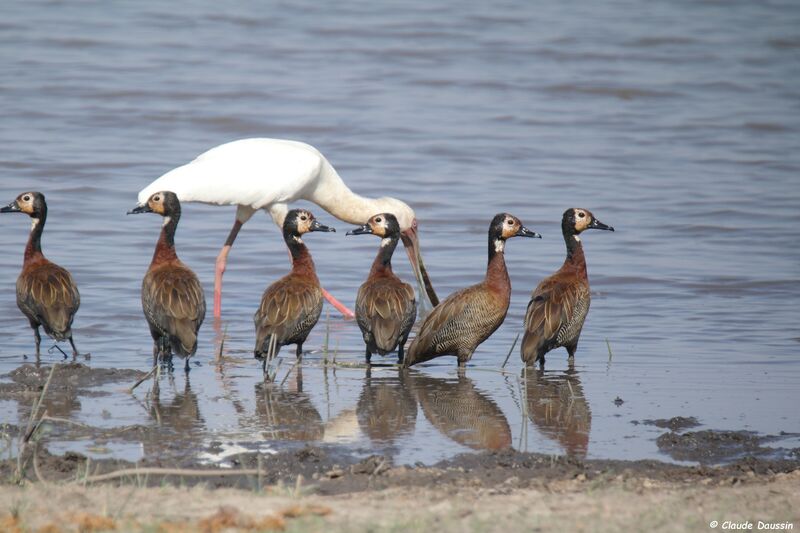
pixel 557 406
pixel 386 408
pixel 287 414
pixel 63 405
pixel 180 415
pixel 461 412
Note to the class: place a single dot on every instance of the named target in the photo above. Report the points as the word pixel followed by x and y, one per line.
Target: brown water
pixel 678 123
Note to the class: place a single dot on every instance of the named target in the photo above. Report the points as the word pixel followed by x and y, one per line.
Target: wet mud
pixel 323 472
pixel 68 378
pixel 710 447
pixel 676 423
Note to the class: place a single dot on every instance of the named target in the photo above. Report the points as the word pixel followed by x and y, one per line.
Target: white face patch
pixel 34 223
pixel 499 245
pixel 297 239
pixel 167 220
pixel 577 238
pixel 385 242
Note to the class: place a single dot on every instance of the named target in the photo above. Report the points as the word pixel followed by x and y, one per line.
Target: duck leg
pixel 186 366
pixel 368 355
pixel 38 339
pixel 299 352
pixel 74 349
pixel 400 354
pixel 571 351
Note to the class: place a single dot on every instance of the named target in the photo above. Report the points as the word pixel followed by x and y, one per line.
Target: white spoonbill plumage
pixel 270 174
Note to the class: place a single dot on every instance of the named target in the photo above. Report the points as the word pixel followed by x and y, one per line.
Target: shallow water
pixel 676 123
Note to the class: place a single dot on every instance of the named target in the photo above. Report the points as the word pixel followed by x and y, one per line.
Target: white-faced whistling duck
pixel 291 306
pixel 559 303
pixel 385 306
pixel 46 293
pixel 172 297
pixel 469 316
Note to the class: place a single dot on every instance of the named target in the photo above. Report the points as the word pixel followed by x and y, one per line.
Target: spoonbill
pixel 270 174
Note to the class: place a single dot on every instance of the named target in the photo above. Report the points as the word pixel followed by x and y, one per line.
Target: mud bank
pixel 322 472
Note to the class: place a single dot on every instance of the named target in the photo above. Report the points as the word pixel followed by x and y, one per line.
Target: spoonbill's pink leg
pixel 338 305
pixel 222 259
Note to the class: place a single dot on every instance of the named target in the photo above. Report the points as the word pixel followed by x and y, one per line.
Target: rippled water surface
pixel 678 123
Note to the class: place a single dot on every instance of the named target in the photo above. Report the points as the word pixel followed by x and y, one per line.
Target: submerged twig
pixel 57 347
pixel 33 424
pixel 510 350
pixel 46 417
pixel 288 373
pixel 36 406
pixel 152 371
pixel 608 345
pixel 571 392
pixel 327 330
pixel 222 343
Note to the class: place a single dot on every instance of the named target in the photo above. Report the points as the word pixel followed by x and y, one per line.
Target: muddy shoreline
pixel 322 472
pixel 722 457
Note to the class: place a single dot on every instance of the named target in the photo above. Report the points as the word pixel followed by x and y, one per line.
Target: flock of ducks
pixel 174 303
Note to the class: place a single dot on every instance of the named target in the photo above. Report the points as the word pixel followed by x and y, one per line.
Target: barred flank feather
pixel 174 305
pixel 47 295
pixel 290 308
pixel 555 314
pixel 385 311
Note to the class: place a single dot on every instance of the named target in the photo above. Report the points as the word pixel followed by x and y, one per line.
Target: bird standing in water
pixel 291 306
pixel 468 317
pixel 385 306
pixel 270 174
pixel 172 297
pixel 46 293
pixel 560 303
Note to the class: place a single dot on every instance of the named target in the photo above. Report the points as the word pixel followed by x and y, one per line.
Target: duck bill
pixel 316 226
pixel 361 230
pixel 596 224
pixel 140 209
pixel 11 208
pixel 525 232
pixel 411 243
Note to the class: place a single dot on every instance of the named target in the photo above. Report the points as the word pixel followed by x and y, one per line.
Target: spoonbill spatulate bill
pixel 270 174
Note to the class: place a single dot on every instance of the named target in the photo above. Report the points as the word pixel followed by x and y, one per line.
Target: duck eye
pixel 303 217
pixel 581 215
pixel 378 220
pixel 27 198
pixel 157 199
pixel 510 222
